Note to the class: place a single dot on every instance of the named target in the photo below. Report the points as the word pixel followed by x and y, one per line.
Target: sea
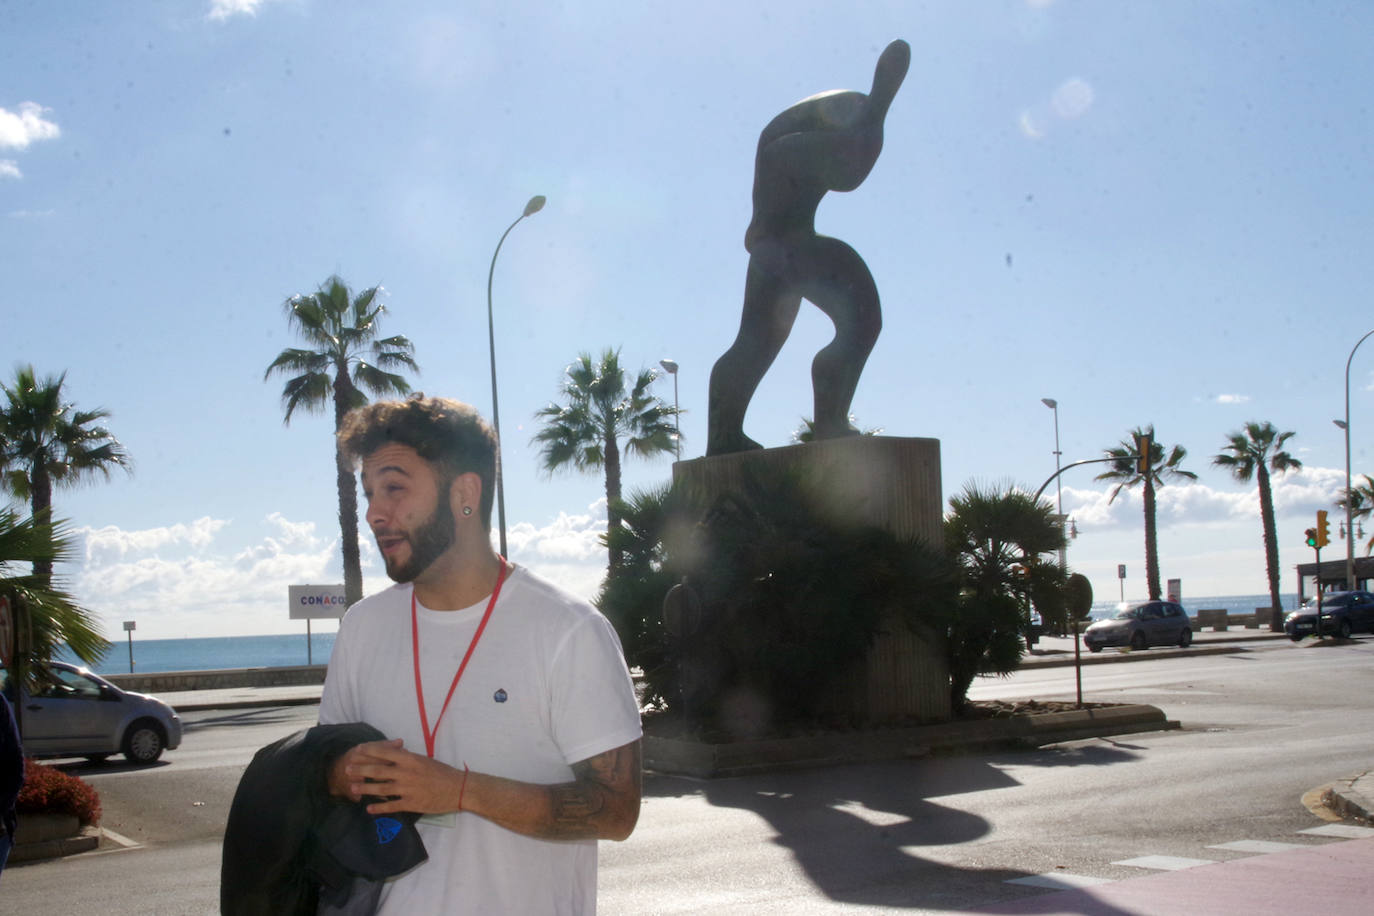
pixel 211 652
pixel 208 653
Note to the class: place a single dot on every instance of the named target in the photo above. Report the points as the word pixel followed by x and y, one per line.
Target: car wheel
pixel 1343 630
pixel 1185 639
pixel 143 742
pixel 1296 637
pixel 1138 640
pixel 1094 648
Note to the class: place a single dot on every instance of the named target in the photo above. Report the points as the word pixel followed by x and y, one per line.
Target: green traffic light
pixel 1311 537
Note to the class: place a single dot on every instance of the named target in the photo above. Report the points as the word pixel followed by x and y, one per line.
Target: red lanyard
pixel 415 644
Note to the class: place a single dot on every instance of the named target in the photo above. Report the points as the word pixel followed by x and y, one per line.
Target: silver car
pixel 1153 623
pixel 79 714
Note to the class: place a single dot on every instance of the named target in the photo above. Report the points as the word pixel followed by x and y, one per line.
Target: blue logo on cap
pixel 499 696
pixel 387 829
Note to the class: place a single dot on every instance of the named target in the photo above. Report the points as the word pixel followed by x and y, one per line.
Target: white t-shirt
pixel 547 686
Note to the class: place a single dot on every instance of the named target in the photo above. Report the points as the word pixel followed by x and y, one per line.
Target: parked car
pixel 79 714
pixel 1153 623
pixel 1343 613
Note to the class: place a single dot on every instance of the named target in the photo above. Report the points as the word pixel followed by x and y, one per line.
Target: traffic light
pixel 1143 443
pixel 1311 537
pixel 1323 529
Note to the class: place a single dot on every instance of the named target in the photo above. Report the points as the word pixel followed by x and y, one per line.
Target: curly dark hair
pixel 444 432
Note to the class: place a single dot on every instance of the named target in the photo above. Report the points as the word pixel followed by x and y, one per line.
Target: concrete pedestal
pixel 891 483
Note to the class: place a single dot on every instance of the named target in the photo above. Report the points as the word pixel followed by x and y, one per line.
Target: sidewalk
pixel 1331 879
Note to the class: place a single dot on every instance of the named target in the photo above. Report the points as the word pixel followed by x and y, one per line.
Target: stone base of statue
pixel 888 482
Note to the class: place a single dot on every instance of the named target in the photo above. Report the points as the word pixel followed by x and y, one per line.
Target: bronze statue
pixel 828 142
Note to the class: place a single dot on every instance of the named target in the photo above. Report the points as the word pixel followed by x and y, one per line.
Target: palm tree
pixel 342 332
pixel 42 617
pixel 1161 469
pixel 1361 505
pixel 807 431
pixel 46 443
pixel 997 535
pixel 1253 452
pixel 585 431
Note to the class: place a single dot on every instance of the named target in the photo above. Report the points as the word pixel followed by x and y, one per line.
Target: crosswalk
pixel 1060 880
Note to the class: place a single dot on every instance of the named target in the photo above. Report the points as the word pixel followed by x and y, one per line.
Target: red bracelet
pixel 463 788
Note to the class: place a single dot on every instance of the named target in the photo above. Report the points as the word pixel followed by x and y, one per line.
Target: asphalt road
pixel 1260 728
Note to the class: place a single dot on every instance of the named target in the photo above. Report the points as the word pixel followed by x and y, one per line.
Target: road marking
pixel 1165 863
pixel 119 838
pixel 1258 846
pixel 1059 881
pixel 1344 831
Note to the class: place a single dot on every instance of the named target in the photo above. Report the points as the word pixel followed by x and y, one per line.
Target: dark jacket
pixel 11 767
pixel 291 848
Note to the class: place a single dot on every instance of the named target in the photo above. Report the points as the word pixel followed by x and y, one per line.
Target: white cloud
pixel 1232 398
pixel 9 169
pixel 1297 493
pixel 19 129
pixel 110 542
pixel 567 537
pixel 215 577
pixel 221 10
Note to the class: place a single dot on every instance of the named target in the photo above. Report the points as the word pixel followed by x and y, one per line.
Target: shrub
pixel 51 791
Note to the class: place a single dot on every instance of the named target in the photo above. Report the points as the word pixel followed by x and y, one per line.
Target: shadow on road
pixel 859 831
pixel 266 715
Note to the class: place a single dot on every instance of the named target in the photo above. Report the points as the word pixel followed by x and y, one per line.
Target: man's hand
pixel 409 782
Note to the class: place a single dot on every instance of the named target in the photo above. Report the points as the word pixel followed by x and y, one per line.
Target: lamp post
pixel 671 367
pixel 534 206
pixel 1349 508
pixel 1052 404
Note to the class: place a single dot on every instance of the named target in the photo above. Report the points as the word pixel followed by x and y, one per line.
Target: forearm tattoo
pixel 604 787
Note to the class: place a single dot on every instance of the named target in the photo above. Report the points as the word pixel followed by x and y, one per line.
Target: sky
pixel 1153 213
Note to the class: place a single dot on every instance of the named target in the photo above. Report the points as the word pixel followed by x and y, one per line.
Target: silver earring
pixel 467 510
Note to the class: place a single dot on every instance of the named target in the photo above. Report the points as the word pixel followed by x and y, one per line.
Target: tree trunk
pixel 1151 543
pixel 1271 549
pixel 40 503
pixel 612 454
pixel 348 495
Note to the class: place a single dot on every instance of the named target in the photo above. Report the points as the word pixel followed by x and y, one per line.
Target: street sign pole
pixel 129 627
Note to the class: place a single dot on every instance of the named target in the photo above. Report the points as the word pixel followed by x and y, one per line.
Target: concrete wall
pixel 167 681
pixel 888 482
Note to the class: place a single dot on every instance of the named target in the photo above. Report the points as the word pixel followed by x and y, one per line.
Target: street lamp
pixel 534 206
pixel 1349 507
pixel 671 367
pixel 1052 404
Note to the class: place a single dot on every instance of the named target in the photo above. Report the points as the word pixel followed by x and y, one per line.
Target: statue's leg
pixel 840 285
pixel 770 309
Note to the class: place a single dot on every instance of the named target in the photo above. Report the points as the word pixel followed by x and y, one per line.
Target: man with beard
pixel 512 722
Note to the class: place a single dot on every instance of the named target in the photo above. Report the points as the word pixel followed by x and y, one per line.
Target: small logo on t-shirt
pixel 499 696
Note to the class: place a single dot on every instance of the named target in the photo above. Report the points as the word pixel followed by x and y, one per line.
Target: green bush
pixel 50 791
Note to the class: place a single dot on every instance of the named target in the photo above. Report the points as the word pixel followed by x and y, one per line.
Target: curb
pixel 203 705
pixel 1352 796
pixel 51 836
pixel 702 760
pixel 1111 656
